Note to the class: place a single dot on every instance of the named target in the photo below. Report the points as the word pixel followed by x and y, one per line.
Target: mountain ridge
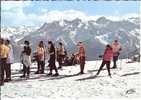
pixel 95 34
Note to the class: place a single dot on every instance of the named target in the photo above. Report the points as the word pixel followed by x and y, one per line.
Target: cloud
pixel 13 14
pixel 8 5
pixel 67 14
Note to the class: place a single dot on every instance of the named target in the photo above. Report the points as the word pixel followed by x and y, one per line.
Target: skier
pixel 108 54
pixel 81 55
pixel 26 60
pixel 4 52
pixel 40 58
pixel 10 60
pixel 116 49
pixel 61 54
pixel 51 61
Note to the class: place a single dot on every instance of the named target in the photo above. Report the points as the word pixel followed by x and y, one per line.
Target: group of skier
pixel 59 54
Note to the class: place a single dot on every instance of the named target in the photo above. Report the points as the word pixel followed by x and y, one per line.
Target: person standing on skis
pixel 10 60
pixel 81 56
pixel 61 54
pixel 108 54
pixel 116 49
pixel 4 53
pixel 26 59
pixel 52 65
pixel 40 58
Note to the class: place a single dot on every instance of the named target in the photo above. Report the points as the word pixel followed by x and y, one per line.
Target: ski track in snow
pixel 125 83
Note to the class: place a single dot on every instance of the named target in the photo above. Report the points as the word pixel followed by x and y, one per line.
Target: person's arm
pixel 30 50
pixel 6 51
pixel 44 53
pixel 120 47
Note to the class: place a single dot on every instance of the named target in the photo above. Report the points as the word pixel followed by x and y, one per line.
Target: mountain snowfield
pixel 16 33
pixel 124 84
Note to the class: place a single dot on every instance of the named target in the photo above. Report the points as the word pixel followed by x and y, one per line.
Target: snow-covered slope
pixel 125 83
pixel 16 33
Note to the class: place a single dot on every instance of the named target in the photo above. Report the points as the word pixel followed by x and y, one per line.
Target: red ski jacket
pixel 108 54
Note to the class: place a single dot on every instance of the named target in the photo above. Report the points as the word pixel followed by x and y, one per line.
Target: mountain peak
pixel 102 20
pixel 77 20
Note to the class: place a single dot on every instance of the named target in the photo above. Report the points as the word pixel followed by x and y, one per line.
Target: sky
pixel 35 13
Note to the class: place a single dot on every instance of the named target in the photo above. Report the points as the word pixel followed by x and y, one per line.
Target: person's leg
pixel 82 68
pixel 24 71
pixel 38 65
pixel 2 72
pixel 114 61
pixel 55 68
pixel 108 67
pixel 9 72
pixel 6 71
pixel 102 65
pixel 2 75
pixel 60 62
pixel 50 68
pixel 80 59
pixel 42 67
pixel 28 71
pixel 82 65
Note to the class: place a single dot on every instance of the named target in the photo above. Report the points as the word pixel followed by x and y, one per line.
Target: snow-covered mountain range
pixel 94 33
pixel 16 33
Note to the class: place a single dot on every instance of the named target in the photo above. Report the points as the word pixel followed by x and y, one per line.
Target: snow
pixel 60 38
pixel 102 38
pixel 72 35
pixel 16 33
pixel 133 20
pixel 62 23
pixel 86 26
pixel 135 33
pixel 80 25
pixel 125 83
